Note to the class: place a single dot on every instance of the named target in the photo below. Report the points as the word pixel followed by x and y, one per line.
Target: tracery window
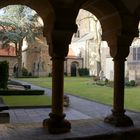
pixel 136 54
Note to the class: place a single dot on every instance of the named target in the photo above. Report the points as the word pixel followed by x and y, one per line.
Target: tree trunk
pixel 20 58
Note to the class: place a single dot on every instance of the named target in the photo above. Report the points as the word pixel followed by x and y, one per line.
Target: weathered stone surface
pixel 82 129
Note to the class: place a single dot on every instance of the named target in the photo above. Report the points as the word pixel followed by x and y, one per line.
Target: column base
pixel 56 124
pixel 119 119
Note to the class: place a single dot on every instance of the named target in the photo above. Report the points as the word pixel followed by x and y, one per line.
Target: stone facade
pixel 36 59
pixel 72 63
pixel 87 41
pixel 9 54
pixel 106 62
pixel 133 61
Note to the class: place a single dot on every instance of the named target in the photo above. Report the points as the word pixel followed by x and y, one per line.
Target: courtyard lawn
pixel 36 100
pixel 84 87
pixel 79 86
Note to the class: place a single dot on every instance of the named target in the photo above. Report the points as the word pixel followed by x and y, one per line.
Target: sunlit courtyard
pixel 86 88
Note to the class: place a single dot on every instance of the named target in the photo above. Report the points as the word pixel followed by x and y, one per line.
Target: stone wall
pixel 68 63
pixel 36 58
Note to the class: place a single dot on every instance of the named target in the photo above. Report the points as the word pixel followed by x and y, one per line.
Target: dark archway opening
pixel 73 69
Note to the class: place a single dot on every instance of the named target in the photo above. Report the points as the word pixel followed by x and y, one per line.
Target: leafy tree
pixel 19 22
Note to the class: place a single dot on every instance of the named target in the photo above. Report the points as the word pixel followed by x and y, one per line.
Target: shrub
pixel 30 74
pixel 132 83
pixel 127 83
pixel 4 74
pixel 21 92
pixel 83 71
pixel 50 75
pixel 24 72
pixel 106 80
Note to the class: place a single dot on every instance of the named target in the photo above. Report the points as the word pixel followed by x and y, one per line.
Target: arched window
pixel 136 54
pixel 136 50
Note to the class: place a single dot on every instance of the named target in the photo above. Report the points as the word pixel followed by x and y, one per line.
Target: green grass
pixel 80 87
pixel 42 81
pixel 36 100
pixel 83 87
pixel 132 98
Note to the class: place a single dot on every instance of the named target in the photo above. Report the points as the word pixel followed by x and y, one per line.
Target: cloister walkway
pixel 85 116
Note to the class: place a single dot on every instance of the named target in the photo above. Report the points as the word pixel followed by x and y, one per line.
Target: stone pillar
pixel 58 40
pixel 57 85
pixel 56 123
pixel 118 117
pixel 58 50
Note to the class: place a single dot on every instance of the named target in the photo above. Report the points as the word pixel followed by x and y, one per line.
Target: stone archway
pixel 119 25
pixel 74 68
pixel 118 31
pixel 15 69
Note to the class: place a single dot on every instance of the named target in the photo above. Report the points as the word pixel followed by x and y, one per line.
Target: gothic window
pixel 38 66
pixel 136 54
pixel 43 65
pixel 34 67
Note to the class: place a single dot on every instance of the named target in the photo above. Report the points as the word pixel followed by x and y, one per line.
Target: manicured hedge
pixel 4 74
pixel 21 92
pixel 83 71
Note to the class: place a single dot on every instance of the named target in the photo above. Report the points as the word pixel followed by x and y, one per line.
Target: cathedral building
pixel 133 60
pixel 87 42
pixel 72 63
pixel 35 57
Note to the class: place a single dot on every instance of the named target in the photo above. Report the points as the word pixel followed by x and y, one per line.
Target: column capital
pixel 60 40
pixel 120 50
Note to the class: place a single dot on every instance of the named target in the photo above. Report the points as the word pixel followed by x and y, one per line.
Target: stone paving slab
pixel 38 115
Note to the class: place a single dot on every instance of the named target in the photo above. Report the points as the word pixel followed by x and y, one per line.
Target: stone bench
pixel 4 116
